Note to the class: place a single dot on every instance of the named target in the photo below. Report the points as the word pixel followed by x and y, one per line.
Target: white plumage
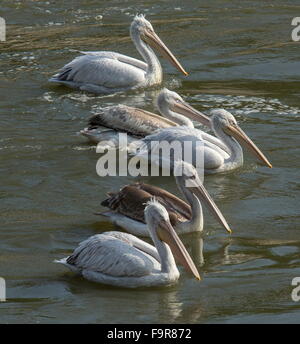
pixel 150 147
pixel 113 255
pixel 123 260
pixel 214 158
pixel 109 72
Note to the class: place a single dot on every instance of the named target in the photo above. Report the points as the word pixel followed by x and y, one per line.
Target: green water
pixel 240 57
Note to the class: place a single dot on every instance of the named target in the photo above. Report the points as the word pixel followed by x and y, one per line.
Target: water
pixel 240 57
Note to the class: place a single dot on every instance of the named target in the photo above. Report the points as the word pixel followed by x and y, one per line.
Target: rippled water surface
pixel 240 57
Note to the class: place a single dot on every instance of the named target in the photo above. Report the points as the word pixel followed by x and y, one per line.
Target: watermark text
pixel 2 30
pixel 296 31
pixel 2 290
pixel 296 291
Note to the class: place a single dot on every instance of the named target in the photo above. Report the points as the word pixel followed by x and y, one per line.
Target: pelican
pixel 216 160
pixel 108 72
pixel 123 260
pixel 127 206
pixel 138 123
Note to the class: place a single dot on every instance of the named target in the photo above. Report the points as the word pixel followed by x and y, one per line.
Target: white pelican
pixel 138 123
pixel 127 206
pixel 123 260
pixel 216 159
pixel 108 72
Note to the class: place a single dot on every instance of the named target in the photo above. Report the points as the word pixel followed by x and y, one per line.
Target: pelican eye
pixel 193 177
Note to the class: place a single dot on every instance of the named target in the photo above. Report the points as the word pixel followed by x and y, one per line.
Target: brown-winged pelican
pixel 127 206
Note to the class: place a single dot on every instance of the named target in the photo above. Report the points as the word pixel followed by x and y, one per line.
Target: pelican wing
pixel 218 145
pixel 135 242
pixel 131 120
pixel 151 143
pixel 173 202
pixel 174 133
pixel 101 70
pixel 111 256
pixel 131 201
pixel 213 155
pixel 184 134
pixel 122 58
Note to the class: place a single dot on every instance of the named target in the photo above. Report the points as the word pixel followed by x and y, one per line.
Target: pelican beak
pixel 187 110
pixel 150 37
pixel 239 134
pixel 167 234
pixel 202 194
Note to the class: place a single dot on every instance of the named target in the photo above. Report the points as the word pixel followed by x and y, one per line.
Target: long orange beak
pixel 154 41
pixel 241 136
pixel 193 114
pixel 167 234
pixel 200 191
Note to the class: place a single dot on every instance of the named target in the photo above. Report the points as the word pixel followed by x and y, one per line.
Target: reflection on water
pixel 243 61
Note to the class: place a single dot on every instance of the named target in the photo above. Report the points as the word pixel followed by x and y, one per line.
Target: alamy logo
pixel 296 291
pixel 152 159
pixel 296 31
pixel 2 290
pixel 2 30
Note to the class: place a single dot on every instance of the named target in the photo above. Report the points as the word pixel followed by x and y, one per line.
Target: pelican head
pixel 224 120
pixel 158 221
pixel 140 27
pixel 188 177
pixel 169 100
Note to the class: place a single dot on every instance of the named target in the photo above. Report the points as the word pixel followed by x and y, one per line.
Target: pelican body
pixel 137 123
pixel 127 206
pixel 216 159
pixel 108 72
pixel 123 260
